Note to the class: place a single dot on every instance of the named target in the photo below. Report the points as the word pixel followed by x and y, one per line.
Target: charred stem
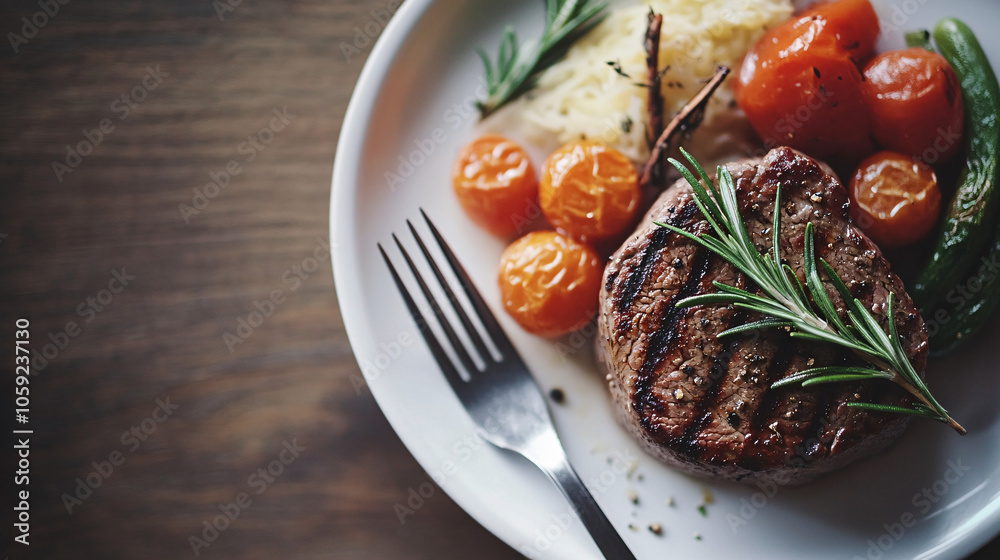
pixel 688 118
pixel 654 96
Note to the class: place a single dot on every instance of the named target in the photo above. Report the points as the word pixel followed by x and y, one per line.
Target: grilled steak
pixel 705 405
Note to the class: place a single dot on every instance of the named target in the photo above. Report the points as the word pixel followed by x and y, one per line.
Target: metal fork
pixel 503 398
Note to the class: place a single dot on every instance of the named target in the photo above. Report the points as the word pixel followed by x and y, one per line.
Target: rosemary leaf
pixel 800 292
pixel 753 326
pixel 816 287
pixel 822 379
pixel 707 299
pixel 784 302
pixel 812 373
pixel 917 410
pixel 517 66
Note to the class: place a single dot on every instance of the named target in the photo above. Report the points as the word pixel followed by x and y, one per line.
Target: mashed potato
pixel 582 96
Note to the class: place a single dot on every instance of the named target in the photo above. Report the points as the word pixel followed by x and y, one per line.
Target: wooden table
pixel 164 177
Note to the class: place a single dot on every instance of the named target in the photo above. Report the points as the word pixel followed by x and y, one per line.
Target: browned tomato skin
pixel 549 283
pixel 589 191
pixel 496 184
pixel 800 85
pixel 895 199
pixel 916 104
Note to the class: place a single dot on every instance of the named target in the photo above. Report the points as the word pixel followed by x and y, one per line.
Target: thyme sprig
pixel 516 67
pixel 785 301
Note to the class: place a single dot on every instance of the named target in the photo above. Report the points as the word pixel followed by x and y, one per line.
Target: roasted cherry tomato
pixel 495 183
pixel 549 282
pixel 895 198
pixel 800 85
pixel 853 24
pixel 589 190
pixel 915 103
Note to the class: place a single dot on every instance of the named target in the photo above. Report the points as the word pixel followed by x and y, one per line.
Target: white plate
pixel 408 101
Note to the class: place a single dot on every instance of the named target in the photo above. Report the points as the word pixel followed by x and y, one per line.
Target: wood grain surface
pixel 187 333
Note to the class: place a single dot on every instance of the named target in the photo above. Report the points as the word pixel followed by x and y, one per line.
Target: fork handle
pixel 549 456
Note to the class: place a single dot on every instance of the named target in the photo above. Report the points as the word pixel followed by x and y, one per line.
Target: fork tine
pixel 456 343
pixel 459 308
pixel 485 315
pixel 439 354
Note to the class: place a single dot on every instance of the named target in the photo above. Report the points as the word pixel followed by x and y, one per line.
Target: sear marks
pixel 705 405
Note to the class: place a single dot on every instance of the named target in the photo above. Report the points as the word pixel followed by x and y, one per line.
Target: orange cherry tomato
pixel 895 198
pixel 916 103
pixel 589 190
pixel 800 85
pixel 495 183
pixel 549 283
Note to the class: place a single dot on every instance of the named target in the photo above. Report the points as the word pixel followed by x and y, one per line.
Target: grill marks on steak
pixel 666 336
pixel 651 256
pixel 705 404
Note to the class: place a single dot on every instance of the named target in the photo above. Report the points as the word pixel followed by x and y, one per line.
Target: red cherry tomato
pixel 853 24
pixel 800 86
pixel 916 103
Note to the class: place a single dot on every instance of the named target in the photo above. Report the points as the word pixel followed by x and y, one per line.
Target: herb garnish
pixel 785 302
pixel 565 21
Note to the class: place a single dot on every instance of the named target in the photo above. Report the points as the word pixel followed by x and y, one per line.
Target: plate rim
pixel 342 197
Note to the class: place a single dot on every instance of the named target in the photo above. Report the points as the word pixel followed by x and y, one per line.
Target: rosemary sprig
pixel 516 67
pixel 786 302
